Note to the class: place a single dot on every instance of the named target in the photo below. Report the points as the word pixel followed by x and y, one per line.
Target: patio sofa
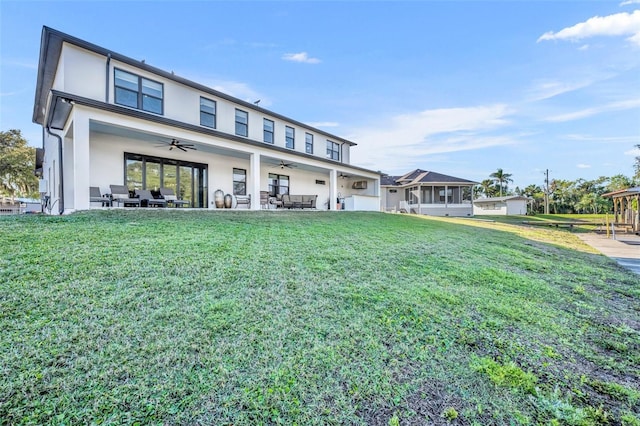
pixel 299 201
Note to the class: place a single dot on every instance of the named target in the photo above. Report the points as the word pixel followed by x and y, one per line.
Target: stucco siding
pixel 516 207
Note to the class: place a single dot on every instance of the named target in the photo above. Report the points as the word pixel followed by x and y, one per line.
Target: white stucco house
pixel 501 206
pixel 109 119
pixel 428 193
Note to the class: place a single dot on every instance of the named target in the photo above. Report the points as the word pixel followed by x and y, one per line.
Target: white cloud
pixel 619 24
pixel 545 89
pixel 583 166
pixel 323 124
pixel 609 139
pixel 628 2
pixel 300 57
pixel 584 47
pixel 236 89
pixel 404 140
pixel 588 112
pixel 633 152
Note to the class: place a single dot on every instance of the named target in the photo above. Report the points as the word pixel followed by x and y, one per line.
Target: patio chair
pixel 264 199
pixel 170 197
pixel 146 196
pixel 276 201
pixel 120 194
pixel 96 197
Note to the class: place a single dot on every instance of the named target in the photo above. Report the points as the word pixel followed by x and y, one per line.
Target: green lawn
pixel 243 318
pixel 590 221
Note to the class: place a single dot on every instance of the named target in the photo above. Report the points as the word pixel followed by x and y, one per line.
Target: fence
pixel 8 210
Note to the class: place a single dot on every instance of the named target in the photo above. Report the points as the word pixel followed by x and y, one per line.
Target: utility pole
pixel 546 192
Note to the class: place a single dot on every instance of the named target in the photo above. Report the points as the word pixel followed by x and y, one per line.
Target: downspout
pixel 61 192
pixel 106 89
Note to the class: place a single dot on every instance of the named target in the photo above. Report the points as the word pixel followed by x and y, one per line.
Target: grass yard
pixel 244 318
pixel 590 221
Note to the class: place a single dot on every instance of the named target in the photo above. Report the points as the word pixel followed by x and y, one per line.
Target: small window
pixel 267 129
pixel 137 92
pixel 333 150
pixel 289 136
pixel 393 191
pixel 208 113
pixel 239 182
pixel 308 143
pixel 242 123
pixel 320 182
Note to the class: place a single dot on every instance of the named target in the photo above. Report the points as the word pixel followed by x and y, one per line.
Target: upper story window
pixel 239 182
pixel 242 123
pixel 138 92
pixel 333 150
pixel 289 137
pixel 268 131
pixel 308 143
pixel 207 112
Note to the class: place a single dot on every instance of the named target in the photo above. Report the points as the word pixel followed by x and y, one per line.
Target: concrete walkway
pixel 625 249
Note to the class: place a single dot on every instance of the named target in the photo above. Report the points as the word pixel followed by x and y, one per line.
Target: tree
pixel 501 178
pixel 17 164
pixel 618 182
pixel 537 194
pixel 487 187
pixel 563 195
pixel 592 203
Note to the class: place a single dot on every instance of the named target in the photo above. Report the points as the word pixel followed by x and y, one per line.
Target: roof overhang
pixel 623 192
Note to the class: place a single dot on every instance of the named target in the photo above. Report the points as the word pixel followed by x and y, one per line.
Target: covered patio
pixel 100 154
pixel 626 208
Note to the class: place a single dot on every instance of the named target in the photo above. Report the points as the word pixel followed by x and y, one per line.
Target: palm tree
pixel 501 178
pixel 486 187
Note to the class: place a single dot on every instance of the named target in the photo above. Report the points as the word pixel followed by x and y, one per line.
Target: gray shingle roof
pixel 418 176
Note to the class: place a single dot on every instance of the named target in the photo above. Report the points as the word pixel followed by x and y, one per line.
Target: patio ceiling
pixel 271 161
pixel 156 139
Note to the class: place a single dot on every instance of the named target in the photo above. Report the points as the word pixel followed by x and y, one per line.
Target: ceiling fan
pixel 175 143
pixel 343 176
pixel 282 165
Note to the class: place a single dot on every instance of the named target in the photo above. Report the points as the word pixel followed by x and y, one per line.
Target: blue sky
pixel 457 87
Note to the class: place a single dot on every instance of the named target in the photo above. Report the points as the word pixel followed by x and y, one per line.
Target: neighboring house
pixel 19 206
pixel 501 206
pixel 626 207
pixel 429 193
pixel 110 119
pixel 30 205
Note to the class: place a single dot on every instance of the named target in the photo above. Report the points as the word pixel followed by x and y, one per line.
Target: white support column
pixel 81 160
pixel 333 189
pixel 446 196
pixel 254 183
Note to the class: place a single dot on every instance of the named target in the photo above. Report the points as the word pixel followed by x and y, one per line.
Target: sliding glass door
pixel 187 179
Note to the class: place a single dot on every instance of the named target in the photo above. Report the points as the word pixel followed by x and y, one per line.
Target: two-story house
pixel 109 119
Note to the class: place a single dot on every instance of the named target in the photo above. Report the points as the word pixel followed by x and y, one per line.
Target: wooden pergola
pixel 626 207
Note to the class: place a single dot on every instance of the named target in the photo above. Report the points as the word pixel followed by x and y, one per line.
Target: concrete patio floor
pixel 625 249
